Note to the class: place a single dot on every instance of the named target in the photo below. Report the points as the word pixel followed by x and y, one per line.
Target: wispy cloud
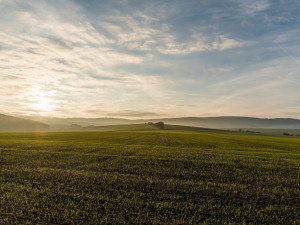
pixel 254 6
pixel 146 33
pixel 144 59
pixel 45 52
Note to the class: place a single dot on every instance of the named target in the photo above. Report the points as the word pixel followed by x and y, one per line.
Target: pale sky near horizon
pixel 147 59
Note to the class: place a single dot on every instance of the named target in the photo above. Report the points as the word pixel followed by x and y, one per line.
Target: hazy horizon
pixel 134 117
pixel 150 59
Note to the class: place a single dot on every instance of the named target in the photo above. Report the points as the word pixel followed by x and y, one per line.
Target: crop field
pixel 148 177
pixel 292 133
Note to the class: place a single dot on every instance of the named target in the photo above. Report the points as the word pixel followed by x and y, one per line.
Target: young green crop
pixel 148 177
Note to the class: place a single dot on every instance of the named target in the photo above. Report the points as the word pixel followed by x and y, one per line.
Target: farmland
pixel 130 177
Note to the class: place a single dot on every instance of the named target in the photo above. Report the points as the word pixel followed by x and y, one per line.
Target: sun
pixel 42 101
pixel 43 104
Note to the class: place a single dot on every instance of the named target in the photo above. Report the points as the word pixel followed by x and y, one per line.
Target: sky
pixel 150 59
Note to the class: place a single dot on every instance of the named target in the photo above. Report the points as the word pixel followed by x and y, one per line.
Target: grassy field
pixel 149 177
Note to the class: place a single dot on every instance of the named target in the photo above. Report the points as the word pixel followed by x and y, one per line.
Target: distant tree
pixel 160 125
pixel 76 126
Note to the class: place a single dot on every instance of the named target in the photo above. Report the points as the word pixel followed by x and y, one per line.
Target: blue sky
pixel 147 59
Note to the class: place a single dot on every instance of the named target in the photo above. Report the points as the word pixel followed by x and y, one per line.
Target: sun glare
pixel 41 101
pixel 43 105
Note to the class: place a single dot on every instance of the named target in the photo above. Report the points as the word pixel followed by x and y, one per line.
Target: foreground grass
pixel 148 177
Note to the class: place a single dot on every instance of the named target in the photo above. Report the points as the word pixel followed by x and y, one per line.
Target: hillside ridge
pixel 16 124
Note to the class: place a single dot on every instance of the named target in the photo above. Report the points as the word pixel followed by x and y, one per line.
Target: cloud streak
pixel 149 59
pixel 146 34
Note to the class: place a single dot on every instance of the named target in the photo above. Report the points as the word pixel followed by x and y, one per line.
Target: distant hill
pixel 194 129
pixel 224 122
pixel 234 122
pixel 123 127
pixel 15 124
pixel 71 123
pixel 147 127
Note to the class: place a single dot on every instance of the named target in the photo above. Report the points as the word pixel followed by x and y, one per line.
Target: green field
pixel 148 177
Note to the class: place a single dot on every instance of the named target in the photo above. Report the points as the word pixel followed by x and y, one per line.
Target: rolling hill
pixel 224 122
pixel 15 124
pixel 147 127
pixel 235 122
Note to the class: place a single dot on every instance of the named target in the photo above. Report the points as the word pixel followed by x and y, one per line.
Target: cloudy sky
pixel 147 59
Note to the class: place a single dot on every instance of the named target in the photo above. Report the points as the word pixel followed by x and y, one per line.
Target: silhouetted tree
pixel 160 125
